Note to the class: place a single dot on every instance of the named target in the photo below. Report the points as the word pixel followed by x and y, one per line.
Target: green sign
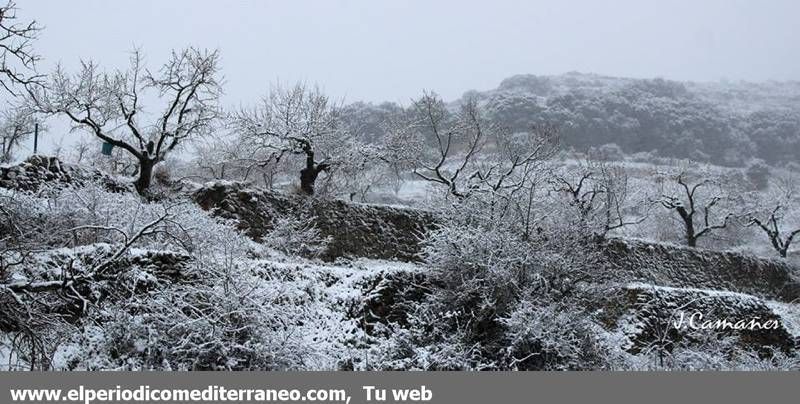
pixel 107 148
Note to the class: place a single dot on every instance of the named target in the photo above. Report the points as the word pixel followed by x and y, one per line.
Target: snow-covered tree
pixel 598 194
pixel 297 121
pixel 16 126
pixel 776 215
pixel 110 105
pixel 699 205
pixel 17 57
pixel 454 138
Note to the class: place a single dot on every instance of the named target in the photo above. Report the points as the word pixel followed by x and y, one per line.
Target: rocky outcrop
pixel 655 316
pixel 669 265
pixel 356 230
pixel 39 171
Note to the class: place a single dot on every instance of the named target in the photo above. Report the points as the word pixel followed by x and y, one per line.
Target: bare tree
pixel 599 191
pixel 772 227
pixel 517 158
pixel 580 190
pixel 16 125
pixel 689 205
pixel 297 121
pixel 472 153
pixel 17 57
pixel 617 198
pixel 233 157
pixel 456 140
pixel 508 174
pixel 772 220
pixel 472 156
pixel 109 105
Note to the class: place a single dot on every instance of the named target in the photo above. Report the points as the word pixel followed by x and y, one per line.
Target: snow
pixel 789 314
pixel 685 290
pixel 328 292
pixel 321 302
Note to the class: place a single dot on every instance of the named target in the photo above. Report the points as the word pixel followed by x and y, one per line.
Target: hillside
pixel 315 284
pixel 725 123
pixel 722 123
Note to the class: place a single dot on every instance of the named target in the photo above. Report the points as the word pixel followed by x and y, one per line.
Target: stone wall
pixel 650 316
pixel 357 230
pixel 393 233
pixel 669 265
pixel 39 171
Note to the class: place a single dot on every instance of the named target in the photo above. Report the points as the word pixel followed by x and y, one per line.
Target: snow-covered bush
pixel 86 215
pixel 553 336
pixel 484 270
pixel 226 321
pixel 430 342
pixel 481 270
pixel 294 235
pixel 210 310
pixel 710 351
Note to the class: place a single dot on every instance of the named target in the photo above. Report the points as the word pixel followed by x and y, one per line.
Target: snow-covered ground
pixel 332 295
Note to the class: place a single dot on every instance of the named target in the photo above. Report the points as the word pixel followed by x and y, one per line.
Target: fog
pixel 390 50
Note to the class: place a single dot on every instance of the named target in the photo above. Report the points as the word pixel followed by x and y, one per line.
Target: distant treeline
pixel 722 123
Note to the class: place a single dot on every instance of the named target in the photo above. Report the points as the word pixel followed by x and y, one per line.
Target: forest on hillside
pixel 724 123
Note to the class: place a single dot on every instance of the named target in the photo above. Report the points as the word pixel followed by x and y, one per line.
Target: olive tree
pixel 776 215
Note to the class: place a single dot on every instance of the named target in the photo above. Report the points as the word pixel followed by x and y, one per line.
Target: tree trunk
pixel 688 222
pixel 145 175
pixel 308 175
pixel 691 239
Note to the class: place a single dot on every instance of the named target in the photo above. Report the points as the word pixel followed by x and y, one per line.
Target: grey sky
pixel 390 50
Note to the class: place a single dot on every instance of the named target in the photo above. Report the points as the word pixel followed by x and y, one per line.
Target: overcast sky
pixel 391 50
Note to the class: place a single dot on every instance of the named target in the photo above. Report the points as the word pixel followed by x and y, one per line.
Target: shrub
pixel 553 336
pixel 213 312
pixel 227 321
pixel 483 272
pixel 293 235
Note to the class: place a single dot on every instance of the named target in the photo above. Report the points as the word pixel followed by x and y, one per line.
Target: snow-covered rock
pixel 38 171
